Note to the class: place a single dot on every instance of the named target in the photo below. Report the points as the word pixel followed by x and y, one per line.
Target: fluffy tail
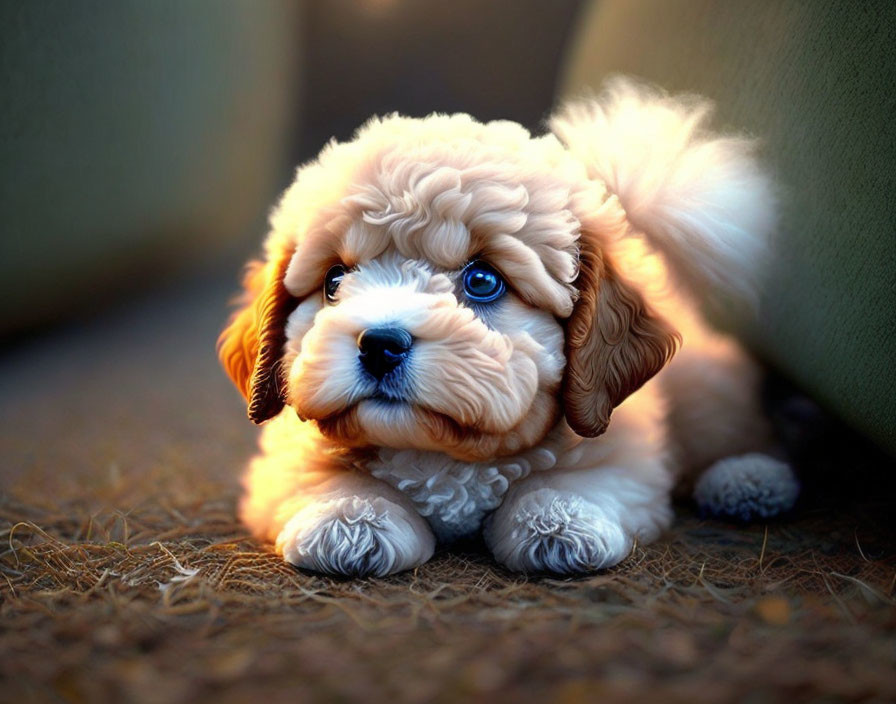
pixel 700 199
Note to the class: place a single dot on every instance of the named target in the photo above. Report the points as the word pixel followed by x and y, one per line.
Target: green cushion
pixel 815 81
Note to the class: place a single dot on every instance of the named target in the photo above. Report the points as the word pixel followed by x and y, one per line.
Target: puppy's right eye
pixel 332 281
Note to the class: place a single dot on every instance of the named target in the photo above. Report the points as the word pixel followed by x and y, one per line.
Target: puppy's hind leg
pixel 720 439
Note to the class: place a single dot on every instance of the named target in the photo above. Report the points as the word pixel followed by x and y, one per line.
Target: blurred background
pixel 141 145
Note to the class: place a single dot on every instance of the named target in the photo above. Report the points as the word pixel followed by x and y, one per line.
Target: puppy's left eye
pixel 482 283
pixel 331 282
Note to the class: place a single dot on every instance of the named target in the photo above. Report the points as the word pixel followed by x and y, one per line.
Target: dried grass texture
pixel 174 603
pixel 126 578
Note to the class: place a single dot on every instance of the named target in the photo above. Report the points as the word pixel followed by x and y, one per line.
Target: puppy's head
pixel 442 284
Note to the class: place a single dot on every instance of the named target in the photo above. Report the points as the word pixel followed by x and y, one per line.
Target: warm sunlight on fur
pixel 449 312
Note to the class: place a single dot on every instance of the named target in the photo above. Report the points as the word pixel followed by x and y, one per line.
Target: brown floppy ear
pixel 251 346
pixel 614 343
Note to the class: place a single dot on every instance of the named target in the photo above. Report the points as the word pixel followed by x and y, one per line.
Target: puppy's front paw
pixel 356 537
pixel 549 531
pixel 747 488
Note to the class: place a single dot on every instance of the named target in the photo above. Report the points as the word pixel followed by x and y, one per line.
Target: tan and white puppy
pixel 447 313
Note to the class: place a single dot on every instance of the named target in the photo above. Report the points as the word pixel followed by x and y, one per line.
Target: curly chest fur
pixel 452 495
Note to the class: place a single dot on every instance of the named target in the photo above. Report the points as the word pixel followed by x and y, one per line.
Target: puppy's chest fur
pixel 455 496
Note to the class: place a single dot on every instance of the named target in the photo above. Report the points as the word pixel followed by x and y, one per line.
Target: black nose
pixel 383 349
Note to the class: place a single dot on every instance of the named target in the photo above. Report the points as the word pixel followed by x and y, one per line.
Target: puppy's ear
pixel 614 343
pixel 251 346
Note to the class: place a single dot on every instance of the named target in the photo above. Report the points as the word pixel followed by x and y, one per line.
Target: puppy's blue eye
pixel 331 282
pixel 482 283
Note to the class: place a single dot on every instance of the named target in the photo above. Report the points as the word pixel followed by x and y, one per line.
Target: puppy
pixel 448 312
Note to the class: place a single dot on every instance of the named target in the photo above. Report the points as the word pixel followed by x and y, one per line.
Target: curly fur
pixel 556 416
pixel 747 487
pixel 559 533
pixel 353 536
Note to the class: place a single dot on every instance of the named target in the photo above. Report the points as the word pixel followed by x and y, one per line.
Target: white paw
pixel 356 537
pixel 747 487
pixel 549 531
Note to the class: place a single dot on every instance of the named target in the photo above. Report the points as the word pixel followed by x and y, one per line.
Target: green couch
pixel 815 82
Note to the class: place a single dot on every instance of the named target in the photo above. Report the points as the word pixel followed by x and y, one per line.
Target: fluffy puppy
pixel 448 312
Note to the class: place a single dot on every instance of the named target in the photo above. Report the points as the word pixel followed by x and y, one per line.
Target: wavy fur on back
pixel 700 199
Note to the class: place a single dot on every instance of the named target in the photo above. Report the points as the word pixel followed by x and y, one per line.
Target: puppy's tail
pixel 700 199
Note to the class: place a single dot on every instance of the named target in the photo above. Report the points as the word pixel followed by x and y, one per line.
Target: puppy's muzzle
pixel 381 350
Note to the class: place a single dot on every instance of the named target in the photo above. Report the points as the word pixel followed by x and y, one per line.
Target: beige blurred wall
pixel 136 138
